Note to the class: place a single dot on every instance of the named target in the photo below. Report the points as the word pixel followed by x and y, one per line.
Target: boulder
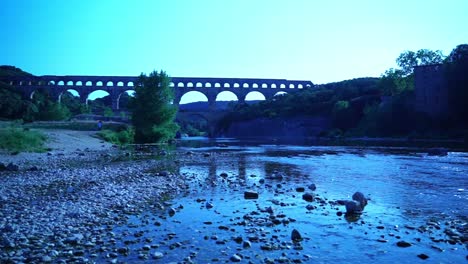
pixel 359 197
pixel 296 236
pixel 356 206
pixel 312 187
pixel 353 207
pixel 308 197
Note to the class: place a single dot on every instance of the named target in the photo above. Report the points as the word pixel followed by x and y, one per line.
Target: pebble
pixel 250 195
pixel 236 258
pixel 423 256
pixel 403 244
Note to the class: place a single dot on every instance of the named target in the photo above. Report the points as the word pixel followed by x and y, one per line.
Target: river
pixel 413 197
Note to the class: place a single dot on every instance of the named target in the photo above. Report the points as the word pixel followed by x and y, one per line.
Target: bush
pixel 121 138
pixel 21 140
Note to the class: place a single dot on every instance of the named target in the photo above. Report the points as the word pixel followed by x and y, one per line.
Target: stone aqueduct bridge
pixel 117 85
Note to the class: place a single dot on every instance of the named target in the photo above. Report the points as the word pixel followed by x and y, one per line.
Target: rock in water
pixel 358 196
pixel 157 255
pixel 353 207
pixel 403 244
pixel 236 258
pixel 296 236
pixel 312 187
pixel 250 195
pixel 423 256
pixel 171 211
pixel 300 189
pixel 308 197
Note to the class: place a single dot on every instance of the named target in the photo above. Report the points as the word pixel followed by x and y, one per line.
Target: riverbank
pixel 56 205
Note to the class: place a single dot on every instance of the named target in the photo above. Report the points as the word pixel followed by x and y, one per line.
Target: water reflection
pixel 406 188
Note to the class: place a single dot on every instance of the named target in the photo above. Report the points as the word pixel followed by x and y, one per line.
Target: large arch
pixel 122 95
pixel 227 96
pixel 96 94
pixel 255 96
pixel 71 91
pixel 193 97
pixel 70 98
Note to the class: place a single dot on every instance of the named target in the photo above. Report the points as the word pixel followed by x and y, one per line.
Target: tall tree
pixel 409 59
pixel 152 112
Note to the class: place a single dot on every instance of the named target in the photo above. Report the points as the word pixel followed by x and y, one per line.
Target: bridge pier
pixel 115 102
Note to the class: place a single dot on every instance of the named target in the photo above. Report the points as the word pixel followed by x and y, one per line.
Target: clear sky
pixel 317 40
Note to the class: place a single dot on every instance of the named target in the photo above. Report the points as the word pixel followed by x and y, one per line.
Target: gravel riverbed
pixel 60 206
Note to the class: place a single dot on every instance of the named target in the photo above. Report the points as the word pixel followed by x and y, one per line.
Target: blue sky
pixel 321 41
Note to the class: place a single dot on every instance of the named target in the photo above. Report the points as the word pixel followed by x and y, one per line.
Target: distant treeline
pixel 376 107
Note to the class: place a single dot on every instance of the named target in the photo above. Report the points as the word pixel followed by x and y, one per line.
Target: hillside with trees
pixel 375 107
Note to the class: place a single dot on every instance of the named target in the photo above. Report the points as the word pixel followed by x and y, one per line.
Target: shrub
pixel 21 140
pixel 121 138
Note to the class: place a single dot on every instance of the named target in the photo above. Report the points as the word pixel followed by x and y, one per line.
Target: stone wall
pixel 296 127
pixel 431 94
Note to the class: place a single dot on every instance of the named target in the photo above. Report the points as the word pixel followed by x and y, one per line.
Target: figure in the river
pixel 99 125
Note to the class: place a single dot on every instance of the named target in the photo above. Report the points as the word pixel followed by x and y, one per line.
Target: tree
pixel 409 59
pixel 343 115
pixel 12 105
pixel 152 112
pixel 456 70
pixel 394 82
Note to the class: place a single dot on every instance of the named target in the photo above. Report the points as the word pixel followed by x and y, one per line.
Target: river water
pixel 413 197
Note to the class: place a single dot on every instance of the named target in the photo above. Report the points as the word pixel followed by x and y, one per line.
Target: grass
pixel 74 125
pixel 17 139
pixel 121 138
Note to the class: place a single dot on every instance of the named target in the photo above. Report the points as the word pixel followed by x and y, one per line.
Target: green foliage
pixel 108 112
pixel 343 115
pixel 12 105
pixel 7 70
pixel 192 131
pixel 393 118
pixel 120 137
pixel 409 59
pixel 73 104
pixel 152 112
pixel 99 105
pixel 19 140
pixel 54 112
pixel 394 82
pixel 319 100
